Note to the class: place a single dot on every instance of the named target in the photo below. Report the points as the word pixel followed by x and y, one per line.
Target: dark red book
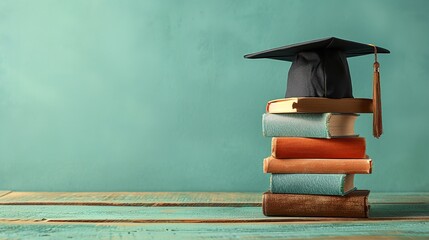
pixel 353 205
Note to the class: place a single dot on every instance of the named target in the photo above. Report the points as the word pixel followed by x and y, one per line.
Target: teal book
pixel 316 184
pixel 314 125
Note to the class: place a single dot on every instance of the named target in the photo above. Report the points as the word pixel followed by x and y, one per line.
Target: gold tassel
pixel 377 123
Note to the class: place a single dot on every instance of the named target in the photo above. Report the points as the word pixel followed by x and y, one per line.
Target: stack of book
pixel 314 156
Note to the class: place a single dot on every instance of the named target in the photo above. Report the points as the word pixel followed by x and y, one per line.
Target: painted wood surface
pixel 134 198
pixel 197 216
pixel 188 214
pixel 344 230
pixel 173 198
pixel 2 193
pixel 402 197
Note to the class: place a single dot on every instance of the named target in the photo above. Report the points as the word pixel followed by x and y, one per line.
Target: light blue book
pixel 315 125
pixel 317 184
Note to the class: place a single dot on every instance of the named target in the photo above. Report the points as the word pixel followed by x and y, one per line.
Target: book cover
pixel 318 184
pixel 317 165
pixel 353 205
pixel 319 105
pixel 315 125
pixel 295 147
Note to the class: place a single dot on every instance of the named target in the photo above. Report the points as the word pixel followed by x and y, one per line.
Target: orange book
pixel 328 166
pixel 294 147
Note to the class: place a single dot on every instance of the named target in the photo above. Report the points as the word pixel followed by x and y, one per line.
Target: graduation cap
pixel 320 69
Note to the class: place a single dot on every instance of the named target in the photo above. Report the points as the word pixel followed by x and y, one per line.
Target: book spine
pixel 318 184
pixel 318 148
pixel 295 205
pixel 295 125
pixel 327 166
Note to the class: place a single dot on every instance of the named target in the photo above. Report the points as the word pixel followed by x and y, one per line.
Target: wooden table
pixel 137 215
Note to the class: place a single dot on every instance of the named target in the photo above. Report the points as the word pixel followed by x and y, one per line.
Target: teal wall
pixel 156 96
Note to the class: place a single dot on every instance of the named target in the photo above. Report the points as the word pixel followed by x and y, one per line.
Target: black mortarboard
pixel 319 67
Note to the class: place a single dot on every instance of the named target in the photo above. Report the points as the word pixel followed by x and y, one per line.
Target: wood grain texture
pixel 133 198
pixel 3 193
pixel 336 230
pixel 400 198
pixel 70 213
pixel 174 198
pixel 179 216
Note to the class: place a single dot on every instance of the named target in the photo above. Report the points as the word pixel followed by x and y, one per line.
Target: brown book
pixel 318 165
pixel 295 147
pixel 354 205
pixel 319 105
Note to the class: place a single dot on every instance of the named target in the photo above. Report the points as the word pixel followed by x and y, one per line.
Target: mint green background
pixel 156 96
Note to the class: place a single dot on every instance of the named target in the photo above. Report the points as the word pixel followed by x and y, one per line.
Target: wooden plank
pixel 399 197
pixel 71 213
pixel 174 199
pixel 133 198
pixel 347 230
pixel 3 193
pixel 399 210
pixel 407 217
